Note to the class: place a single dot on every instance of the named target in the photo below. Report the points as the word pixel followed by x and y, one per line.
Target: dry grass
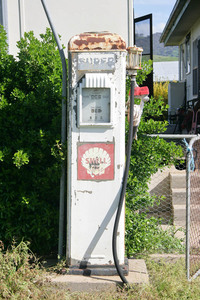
pixel 167 282
pixel 21 277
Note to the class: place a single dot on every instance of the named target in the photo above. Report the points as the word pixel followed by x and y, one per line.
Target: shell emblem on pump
pixel 96 160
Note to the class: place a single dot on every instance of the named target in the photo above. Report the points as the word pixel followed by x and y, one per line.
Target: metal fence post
pixel 188 157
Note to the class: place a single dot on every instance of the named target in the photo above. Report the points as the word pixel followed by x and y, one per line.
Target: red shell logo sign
pixel 96 161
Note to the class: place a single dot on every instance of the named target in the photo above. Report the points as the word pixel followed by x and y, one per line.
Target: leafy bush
pixel 149 154
pixel 30 106
pixel 30 151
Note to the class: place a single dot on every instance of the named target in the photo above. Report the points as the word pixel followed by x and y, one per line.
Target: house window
pixel 195 67
pixel 188 53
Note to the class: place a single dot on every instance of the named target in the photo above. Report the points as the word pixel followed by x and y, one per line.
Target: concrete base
pixel 86 269
pixel 137 275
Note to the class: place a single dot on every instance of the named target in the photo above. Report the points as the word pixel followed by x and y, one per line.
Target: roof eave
pixel 184 14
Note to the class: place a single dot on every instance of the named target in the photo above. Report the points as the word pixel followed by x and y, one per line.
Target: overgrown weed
pixel 167 281
pixel 21 276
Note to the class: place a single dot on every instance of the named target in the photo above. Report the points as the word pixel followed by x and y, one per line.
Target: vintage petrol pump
pixel 96 149
pixel 97 176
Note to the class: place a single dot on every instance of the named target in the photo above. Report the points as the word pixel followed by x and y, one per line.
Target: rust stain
pixel 96 41
pixel 79 43
pixel 104 33
pixel 114 46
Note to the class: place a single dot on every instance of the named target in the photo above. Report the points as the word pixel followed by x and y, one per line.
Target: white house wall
pixel 195 33
pixel 69 18
pixel 13 25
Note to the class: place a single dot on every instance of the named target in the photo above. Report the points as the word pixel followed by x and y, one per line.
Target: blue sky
pixel 160 9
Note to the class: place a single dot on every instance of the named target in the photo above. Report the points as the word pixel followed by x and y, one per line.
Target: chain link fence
pixel 169 185
pixel 178 189
pixel 193 209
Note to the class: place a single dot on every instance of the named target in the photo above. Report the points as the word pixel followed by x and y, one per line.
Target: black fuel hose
pixel 131 134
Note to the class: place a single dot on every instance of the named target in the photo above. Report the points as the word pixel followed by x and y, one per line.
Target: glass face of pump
pixel 95 105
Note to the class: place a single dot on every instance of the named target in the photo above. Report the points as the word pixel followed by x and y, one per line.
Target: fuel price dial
pixel 95 105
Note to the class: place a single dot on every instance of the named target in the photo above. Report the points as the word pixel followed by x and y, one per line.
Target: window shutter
pixel 198 73
pixel 195 81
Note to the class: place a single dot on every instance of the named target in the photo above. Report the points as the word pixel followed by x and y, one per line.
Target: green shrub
pixel 149 154
pixel 30 114
pixel 30 151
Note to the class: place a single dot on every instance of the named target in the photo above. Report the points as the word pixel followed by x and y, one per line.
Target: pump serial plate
pixel 96 61
pixel 96 161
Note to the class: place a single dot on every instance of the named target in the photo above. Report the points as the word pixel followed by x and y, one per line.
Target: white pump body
pixel 96 147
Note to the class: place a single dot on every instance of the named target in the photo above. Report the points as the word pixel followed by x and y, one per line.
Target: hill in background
pixel 161 53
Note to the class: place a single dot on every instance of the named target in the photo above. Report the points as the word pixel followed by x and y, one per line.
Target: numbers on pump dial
pixel 96 105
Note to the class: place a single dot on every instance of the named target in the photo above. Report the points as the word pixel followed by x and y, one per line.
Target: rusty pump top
pixel 96 41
